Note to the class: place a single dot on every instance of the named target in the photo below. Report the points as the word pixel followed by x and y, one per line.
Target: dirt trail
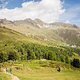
pixel 12 76
pixel 15 77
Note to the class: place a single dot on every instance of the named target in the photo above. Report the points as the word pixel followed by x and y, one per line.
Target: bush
pixel 13 55
pixel 3 57
pixel 75 63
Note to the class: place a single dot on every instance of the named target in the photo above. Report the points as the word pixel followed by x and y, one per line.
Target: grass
pixel 50 76
pixel 41 70
pixel 34 70
pixel 4 76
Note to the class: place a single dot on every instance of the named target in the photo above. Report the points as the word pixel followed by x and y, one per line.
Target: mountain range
pixel 57 33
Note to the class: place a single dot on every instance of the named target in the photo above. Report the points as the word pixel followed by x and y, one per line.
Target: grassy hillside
pixel 35 59
pixel 8 36
pixel 19 46
pixel 4 76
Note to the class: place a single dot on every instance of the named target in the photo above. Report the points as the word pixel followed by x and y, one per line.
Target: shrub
pixel 75 63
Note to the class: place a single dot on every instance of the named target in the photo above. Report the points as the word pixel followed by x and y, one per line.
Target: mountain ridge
pixel 38 21
pixel 59 32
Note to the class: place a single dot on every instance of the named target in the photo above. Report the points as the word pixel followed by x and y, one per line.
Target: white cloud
pixel 67 21
pixel 46 10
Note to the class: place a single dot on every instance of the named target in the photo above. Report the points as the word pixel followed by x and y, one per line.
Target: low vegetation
pixel 4 76
pixel 42 70
pixel 30 51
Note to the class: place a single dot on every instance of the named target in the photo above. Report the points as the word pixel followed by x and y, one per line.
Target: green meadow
pixel 41 70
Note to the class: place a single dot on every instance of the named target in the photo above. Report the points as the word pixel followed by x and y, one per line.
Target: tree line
pixel 31 51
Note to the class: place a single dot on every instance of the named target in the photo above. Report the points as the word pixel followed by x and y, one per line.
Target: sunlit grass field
pixel 4 76
pixel 43 70
pixel 40 70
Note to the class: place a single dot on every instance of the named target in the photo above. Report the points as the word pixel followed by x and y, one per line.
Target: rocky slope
pixel 53 32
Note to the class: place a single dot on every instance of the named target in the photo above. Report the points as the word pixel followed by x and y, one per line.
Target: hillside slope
pixel 16 46
pixel 56 33
pixel 10 36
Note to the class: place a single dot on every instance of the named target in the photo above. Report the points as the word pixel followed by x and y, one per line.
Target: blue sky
pixel 15 3
pixel 67 10
pixel 72 12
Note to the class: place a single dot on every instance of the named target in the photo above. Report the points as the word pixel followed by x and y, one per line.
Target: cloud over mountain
pixel 46 10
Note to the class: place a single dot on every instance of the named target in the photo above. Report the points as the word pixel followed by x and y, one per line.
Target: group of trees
pixel 12 55
pixel 30 51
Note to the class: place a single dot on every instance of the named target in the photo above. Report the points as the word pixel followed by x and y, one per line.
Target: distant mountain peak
pixel 38 20
pixel 38 23
pixel 57 31
pixel 63 25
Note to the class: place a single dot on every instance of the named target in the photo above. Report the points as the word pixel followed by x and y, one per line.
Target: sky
pixel 47 10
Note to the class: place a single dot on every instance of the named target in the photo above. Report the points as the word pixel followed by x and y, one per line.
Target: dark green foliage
pixel 75 63
pixel 58 69
pixel 31 55
pixel 13 55
pixel 62 58
pixel 67 59
pixel 3 57
pixel 30 51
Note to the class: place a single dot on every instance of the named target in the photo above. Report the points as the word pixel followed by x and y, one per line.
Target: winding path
pixel 15 77
pixel 12 76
